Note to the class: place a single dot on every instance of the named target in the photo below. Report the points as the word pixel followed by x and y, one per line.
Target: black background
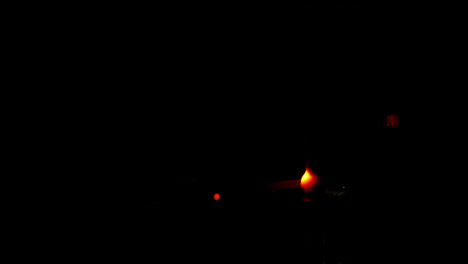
pixel 235 96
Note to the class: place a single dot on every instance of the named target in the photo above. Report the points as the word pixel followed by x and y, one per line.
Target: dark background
pixel 171 104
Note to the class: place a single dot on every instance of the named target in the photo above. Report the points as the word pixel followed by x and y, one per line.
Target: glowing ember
pixel 216 196
pixel 309 181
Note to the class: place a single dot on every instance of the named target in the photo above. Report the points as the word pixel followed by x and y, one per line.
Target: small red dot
pixel 216 196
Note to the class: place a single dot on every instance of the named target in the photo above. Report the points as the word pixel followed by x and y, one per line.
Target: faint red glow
pixel 393 121
pixel 216 196
pixel 309 181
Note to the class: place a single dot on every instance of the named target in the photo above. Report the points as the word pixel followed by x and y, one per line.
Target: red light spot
pixel 393 121
pixel 216 196
pixel 309 181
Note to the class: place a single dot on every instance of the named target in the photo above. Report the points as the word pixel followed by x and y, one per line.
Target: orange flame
pixel 309 181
